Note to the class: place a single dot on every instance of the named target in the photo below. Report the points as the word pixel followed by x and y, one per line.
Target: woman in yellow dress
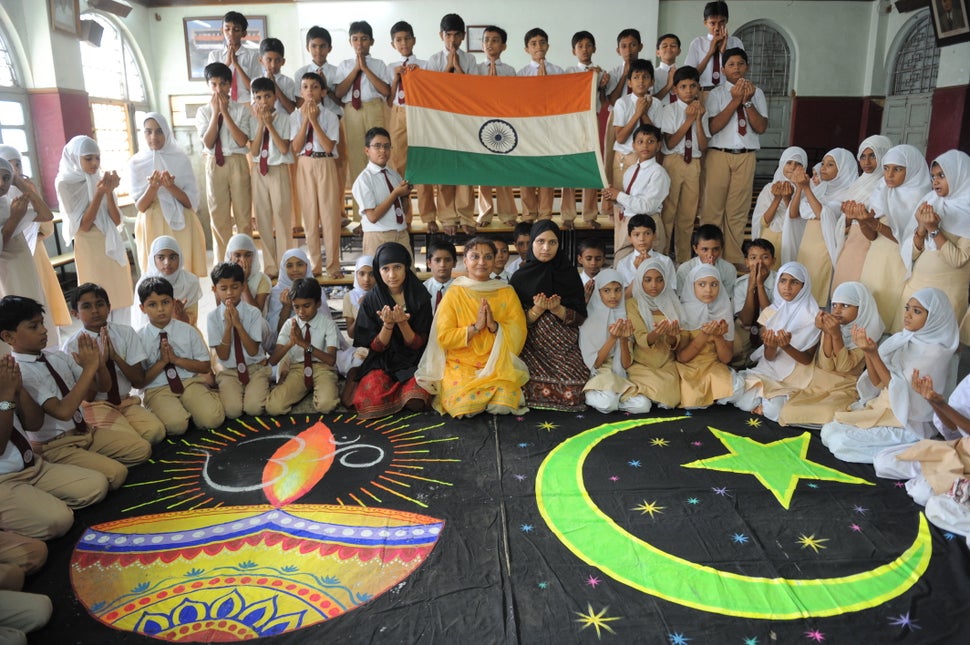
pixel 471 363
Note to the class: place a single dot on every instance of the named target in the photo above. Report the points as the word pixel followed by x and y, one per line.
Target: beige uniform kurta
pixel 191 239
pixel 883 274
pixel 878 412
pixel 654 368
pixel 945 269
pixel 94 266
pixel 848 268
pixel 813 253
pixel 832 389
pixel 705 378
pixel 48 278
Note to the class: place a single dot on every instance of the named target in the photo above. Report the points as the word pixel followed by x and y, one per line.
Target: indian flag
pixel 467 130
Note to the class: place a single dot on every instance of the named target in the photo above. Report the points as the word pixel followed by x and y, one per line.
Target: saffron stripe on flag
pixel 456 168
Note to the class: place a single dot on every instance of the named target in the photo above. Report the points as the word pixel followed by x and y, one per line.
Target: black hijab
pixel 558 276
pixel 398 360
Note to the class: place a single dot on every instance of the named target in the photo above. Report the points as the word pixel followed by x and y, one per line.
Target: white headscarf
pixel 170 158
pixel 697 313
pixel 927 349
pixel 831 194
pixel 857 295
pixel 359 292
pixel 184 283
pixel 666 301
pixel 954 209
pixel 274 306
pixel 28 226
pixel 242 242
pixel 594 330
pixel 76 189
pixel 796 316
pixel 899 204
pixel 861 189
pixel 5 201
pixel 765 198
pixel 792 230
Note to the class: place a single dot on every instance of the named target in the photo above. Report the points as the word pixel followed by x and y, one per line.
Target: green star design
pixel 777 465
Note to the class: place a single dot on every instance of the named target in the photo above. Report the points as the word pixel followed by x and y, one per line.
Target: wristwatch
pixel 748 104
pixel 934 233
pixel 7 405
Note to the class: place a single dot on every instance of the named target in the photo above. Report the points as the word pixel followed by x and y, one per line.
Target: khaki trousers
pixel 272 209
pixel 37 501
pixel 373 239
pixel 567 207
pixel 197 402
pixel 680 207
pixel 507 210
pixel 22 555
pixel 229 195
pixel 356 123
pixel 320 195
pixel 536 203
pixel 238 398
pixel 729 180
pixel 291 390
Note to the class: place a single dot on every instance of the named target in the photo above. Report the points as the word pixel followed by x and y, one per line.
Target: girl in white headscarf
pixel 838 361
pixel 890 412
pixel 939 247
pixel 241 250
pixel 820 206
pixel 40 228
pixel 707 347
pixel 91 219
pixel 294 264
pixel 770 220
pixel 166 262
pixel 790 337
pixel 655 313
pixel 906 179
pixel 166 196
pixel 348 356
pixel 604 339
pixel 855 208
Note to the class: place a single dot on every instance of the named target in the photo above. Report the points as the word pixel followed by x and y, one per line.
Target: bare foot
pixel 469 229
pixel 449 229
pixel 433 227
pixel 594 224
pixel 568 225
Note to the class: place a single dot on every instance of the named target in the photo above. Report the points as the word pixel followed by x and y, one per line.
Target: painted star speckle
pixel 812 485
pixel 660 442
pixel 753 423
pixel 740 538
pixel 815 635
pixel 520 418
pixel 697 444
pixel 812 542
pixel 614 478
pixel 592 581
pixel 693 501
pixel 519 477
pixel 861 510
pixel 596 620
pixel 676 638
pixel 856 528
pixel 634 463
pixel 547 426
pixel 903 620
pixel 948 536
pixel 751 641
pixel 543 585
pixel 648 508
pixel 527 528
pixel 900 484
pixel 580 416
pixel 524 445
pixel 722 491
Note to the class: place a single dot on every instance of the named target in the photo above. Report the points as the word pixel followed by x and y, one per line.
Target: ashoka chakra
pixel 498 136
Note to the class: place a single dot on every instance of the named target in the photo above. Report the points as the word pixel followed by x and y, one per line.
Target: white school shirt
pixel 11 461
pixel 248 59
pixel 243 117
pixel 399 98
pixel 674 115
pixel 284 128
pixel 327 120
pixel 323 334
pixel 623 111
pixel 40 385
pixel 647 193
pixel 628 270
pixel 369 190
pixel 513 265
pixel 616 77
pixel 433 287
pixel 367 90
pixel 532 69
pixel 585 278
pixel 717 100
pixel 742 285
pixel 729 274
pixel 287 86
pixel 252 322
pixel 504 276
pixel 501 69
pixel 439 61
pixel 127 345
pixel 184 339
pixel 661 71
pixel 328 71
pixel 698 49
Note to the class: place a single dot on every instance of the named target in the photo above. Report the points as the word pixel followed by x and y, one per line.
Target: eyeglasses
pixel 380 146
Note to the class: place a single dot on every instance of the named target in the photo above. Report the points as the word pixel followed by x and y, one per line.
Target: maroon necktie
pixel 672 97
pixel 308 146
pixel 264 154
pixel 171 374
pixel 355 93
pixel 79 423
pixel 398 207
pixel 220 157
pixel 307 359
pixel 438 297
pixel 241 368
pixel 400 95
pixel 114 395
pixel 742 121
pixel 23 447
pixel 633 180
pixel 716 74
pixel 689 144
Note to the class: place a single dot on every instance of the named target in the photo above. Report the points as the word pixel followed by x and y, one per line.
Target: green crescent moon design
pixel 596 539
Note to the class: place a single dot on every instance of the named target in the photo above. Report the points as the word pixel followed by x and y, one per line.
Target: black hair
pixel 220 71
pixel 504 35
pixel 734 51
pixel 627 33
pixel 532 33
pixel 154 285
pixel 482 241
pixel 758 242
pixel 641 219
pixel 522 228
pixel 443 245
pixel 316 32
pixel 17 309
pixel 85 289
pixel 236 18
pixel 400 26
pixel 313 76
pixel 665 37
pixel 307 288
pixel 227 271
pixel 361 27
pixel 376 131
pixel 452 22
pixel 271 45
pixel 712 9
pixel 641 65
pixel 686 73
pixel 707 232
pixel 648 128
pixel 580 36
pixel 592 243
pixel 263 84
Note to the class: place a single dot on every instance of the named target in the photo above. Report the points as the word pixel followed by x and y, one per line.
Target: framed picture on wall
pixel 474 35
pixel 950 21
pixel 65 16
pixel 184 108
pixel 203 35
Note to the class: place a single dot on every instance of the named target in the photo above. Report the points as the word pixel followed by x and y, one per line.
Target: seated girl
pixel 241 250
pixel 839 361
pixel 472 362
pixel 889 412
pixel 752 295
pixel 166 262
pixel 655 313
pixel 770 220
pixel 348 356
pixel 604 339
pixel 294 265
pixel 708 344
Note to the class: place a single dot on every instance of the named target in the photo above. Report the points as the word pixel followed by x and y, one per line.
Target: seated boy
pixel 592 254
pixel 382 196
pixel 752 295
pixel 642 231
pixel 235 332
pixel 310 343
pixel 521 238
pixel 36 496
pixel 121 355
pixel 501 258
pixel 708 244
pixel 60 385
pixel 442 260
pixel 175 389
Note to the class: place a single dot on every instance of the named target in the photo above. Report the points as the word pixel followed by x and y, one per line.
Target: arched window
pixel 769 58
pixel 917 61
pixel 14 112
pixel 116 92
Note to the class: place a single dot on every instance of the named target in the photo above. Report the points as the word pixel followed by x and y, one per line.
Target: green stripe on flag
pixel 455 168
